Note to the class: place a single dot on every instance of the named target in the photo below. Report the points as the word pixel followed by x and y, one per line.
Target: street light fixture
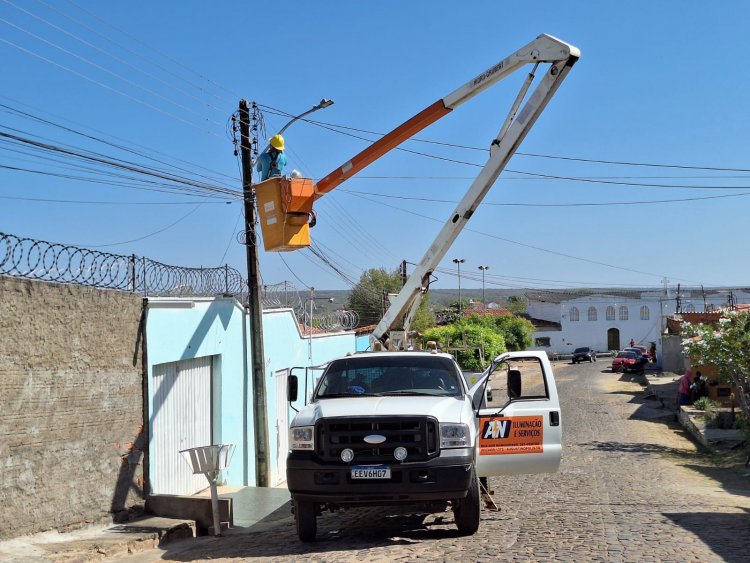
pixel 458 262
pixel 483 268
pixel 324 103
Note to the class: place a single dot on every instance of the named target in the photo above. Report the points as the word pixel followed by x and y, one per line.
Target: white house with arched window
pixel 609 320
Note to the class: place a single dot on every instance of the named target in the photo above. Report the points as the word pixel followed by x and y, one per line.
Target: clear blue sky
pixel 659 83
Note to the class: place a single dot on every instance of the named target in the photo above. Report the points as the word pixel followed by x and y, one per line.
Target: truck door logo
pixel 515 435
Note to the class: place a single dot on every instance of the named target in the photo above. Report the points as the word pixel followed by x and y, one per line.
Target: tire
pixel 467 509
pixel 305 520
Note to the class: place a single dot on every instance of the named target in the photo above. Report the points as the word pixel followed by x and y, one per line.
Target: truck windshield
pixel 390 375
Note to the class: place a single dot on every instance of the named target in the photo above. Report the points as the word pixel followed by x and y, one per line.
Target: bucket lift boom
pixel 545 49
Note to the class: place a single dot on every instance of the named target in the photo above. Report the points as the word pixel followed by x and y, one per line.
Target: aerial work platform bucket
pixel 284 206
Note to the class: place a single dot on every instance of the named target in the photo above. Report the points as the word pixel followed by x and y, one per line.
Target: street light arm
pixel 324 103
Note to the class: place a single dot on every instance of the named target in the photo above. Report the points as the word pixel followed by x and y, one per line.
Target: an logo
pixel 374 439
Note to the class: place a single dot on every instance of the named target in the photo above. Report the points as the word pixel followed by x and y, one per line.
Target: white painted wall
pixel 594 333
pixel 545 311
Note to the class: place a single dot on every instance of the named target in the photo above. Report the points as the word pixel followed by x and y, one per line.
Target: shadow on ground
pixel 366 529
pixel 726 534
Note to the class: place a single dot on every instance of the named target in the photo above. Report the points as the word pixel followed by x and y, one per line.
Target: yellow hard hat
pixel 277 142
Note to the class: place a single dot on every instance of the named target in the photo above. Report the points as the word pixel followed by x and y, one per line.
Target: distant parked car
pixel 626 361
pixel 583 354
pixel 642 358
pixel 644 351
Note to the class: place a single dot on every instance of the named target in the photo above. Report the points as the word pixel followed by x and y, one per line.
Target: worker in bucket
pixel 272 162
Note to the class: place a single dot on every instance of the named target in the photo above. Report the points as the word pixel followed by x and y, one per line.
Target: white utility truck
pixel 402 427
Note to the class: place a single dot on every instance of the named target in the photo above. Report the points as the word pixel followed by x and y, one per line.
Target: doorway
pixel 181 419
pixel 282 426
pixel 613 339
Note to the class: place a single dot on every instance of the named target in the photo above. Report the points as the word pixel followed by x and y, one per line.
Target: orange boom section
pixel 379 148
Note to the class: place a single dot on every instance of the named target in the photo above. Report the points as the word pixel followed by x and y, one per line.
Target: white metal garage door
pixel 180 419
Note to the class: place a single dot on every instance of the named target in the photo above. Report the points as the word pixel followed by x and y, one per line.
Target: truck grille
pixel 419 435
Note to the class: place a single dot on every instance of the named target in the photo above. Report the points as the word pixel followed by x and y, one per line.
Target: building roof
pixel 674 322
pixel 560 295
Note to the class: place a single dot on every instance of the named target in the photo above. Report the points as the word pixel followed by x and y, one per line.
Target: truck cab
pixel 404 429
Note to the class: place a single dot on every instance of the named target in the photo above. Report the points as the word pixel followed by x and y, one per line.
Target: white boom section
pixel 544 49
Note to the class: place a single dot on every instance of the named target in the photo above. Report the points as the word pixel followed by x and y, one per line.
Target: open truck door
pixel 520 429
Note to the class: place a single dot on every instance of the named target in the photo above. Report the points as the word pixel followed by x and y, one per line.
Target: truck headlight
pixel 454 435
pixel 302 437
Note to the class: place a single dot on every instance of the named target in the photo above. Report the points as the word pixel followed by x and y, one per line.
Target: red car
pixel 626 361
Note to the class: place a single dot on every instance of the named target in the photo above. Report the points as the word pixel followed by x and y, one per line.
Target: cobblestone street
pixel 631 487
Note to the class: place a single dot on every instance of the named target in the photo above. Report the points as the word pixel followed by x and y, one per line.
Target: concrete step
pixel 97 542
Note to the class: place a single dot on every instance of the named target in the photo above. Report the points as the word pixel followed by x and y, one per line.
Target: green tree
pixel 516 304
pixel 727 348
pixel 494 334
pixel 473 336
pixel 366 298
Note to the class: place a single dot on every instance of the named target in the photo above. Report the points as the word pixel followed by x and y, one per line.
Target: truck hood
pixel 444 409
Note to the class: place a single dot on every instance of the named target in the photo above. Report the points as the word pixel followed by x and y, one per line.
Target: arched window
pixel 623 313
pixel 610 313
pixel 592 313
pixel 573 314
pixel 645 313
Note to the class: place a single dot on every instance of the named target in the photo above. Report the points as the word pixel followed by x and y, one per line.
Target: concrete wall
pixel 543 310
pixel 70 405
pixel 180 329
pixel 672 357
pixel 287 348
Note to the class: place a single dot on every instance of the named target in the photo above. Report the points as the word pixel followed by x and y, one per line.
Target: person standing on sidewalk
pixel 683 389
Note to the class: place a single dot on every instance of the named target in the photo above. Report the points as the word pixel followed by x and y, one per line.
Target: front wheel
pixel 467 510
pixel 305 519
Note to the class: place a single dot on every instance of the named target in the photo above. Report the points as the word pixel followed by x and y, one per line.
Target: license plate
pixel 371 472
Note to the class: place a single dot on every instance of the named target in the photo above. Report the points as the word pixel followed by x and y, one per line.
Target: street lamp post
pixel 254 305
pixel 458 262
pixel 483 268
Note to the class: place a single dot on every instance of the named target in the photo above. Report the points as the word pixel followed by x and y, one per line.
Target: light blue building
pixel 200 390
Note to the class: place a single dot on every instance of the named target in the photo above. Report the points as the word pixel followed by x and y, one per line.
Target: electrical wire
pixel 509 241
pixel 188 214
pixel 582 204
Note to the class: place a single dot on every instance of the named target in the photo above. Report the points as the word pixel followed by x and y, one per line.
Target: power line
pixel 145 236
pixel 105 86
pixel 105 52
pixel 509 241
pixel 605 204
pixel 118 203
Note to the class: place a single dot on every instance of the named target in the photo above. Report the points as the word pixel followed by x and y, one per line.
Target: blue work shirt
pixel 267 169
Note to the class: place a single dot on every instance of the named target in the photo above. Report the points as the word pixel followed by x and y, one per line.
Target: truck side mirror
pixel 292 384
pixel 514 384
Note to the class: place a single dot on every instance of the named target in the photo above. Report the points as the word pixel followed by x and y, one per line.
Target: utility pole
pixel 253 306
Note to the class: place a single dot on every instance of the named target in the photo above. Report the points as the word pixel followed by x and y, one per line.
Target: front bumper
pixel 439 479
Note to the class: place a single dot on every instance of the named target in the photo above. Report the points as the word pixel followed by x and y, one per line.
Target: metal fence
pixel 54 262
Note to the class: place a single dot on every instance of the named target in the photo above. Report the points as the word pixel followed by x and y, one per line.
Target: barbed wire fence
pixel 54 262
